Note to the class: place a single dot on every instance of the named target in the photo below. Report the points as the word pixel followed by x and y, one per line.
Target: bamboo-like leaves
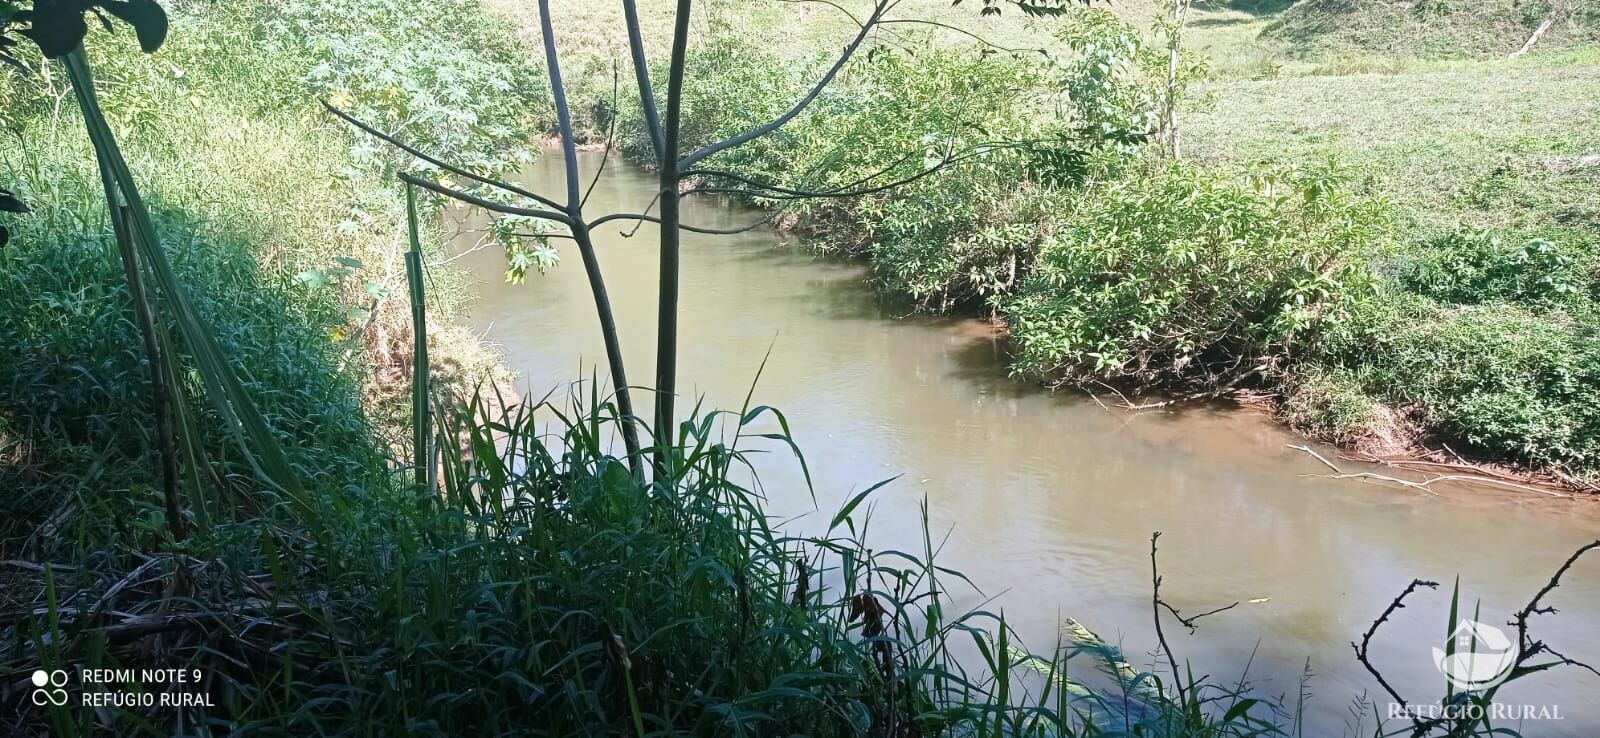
pixel 222 385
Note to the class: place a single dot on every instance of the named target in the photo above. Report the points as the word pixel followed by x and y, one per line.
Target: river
pixel 1050 499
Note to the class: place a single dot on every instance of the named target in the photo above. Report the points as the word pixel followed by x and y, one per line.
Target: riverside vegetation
pixel 1390 235
pixel 519 579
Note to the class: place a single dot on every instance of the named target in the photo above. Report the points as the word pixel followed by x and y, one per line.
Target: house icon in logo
pixel 1482 656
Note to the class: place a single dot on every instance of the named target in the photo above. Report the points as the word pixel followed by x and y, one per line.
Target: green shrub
pixel 963 235
pixel 1114 81
pixel 1186 273
pixel 1497 379
pixel 1474 267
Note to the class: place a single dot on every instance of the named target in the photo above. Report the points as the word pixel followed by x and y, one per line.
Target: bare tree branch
pixel 987 44
pixel 484 203
pixel 644 218
pixel 611 130
pixel 777 192
pixel 1366 638
pixel 1189 622
pixel 1528 645
pixel 879 8
pixel 836 6
pixel 1528 649
pixel 1155 607
pixel 440 163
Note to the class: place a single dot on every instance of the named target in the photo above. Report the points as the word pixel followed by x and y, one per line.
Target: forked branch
pixel 879 8
pixel 1529 648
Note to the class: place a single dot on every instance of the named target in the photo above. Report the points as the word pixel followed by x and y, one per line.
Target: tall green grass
pixel 544 590
pixel 279 226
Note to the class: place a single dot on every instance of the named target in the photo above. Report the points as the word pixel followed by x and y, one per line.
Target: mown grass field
pixel 1495 143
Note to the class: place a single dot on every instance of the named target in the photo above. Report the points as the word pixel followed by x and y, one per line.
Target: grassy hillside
pixel 1433 28
pixel 1490 269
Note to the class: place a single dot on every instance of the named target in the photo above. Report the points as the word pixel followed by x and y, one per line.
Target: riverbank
pixel 283 222
pixel 1044 500
pixel 518 578
pixel 1437 215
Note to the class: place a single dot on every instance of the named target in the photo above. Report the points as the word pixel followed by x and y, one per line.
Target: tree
pixel 674 167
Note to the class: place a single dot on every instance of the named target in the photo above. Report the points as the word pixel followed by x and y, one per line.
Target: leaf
pixel 849 507
pixel 313 278
pixel 9 203
pixel 1239 708
pixel 56 26
pixel 149 21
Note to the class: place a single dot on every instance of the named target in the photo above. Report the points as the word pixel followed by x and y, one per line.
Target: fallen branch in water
pixel 1424 485
pixel 1447 458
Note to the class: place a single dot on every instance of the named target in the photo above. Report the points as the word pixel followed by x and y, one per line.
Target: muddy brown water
pixel 1049 499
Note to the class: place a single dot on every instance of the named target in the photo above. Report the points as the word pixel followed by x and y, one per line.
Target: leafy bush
pixel 963 235
pixel 446 76
pixel 1187 273
pixel 1474 267
pixel 1499 379
pixel 1114 81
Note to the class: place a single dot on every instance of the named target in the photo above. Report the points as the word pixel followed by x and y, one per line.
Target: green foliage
pixel 732 86
pixel 1189 273
pixel 1114 81
pixel 524 252
pixel 247 194
pixel 444 78
pixel 1506 380
pixel 80 388
pixel 1474 267
pixel 542 590
pixel 963 235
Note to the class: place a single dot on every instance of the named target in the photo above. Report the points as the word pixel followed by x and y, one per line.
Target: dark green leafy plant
pixel 1189 274
pixel 1474 267
pixel 59 26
